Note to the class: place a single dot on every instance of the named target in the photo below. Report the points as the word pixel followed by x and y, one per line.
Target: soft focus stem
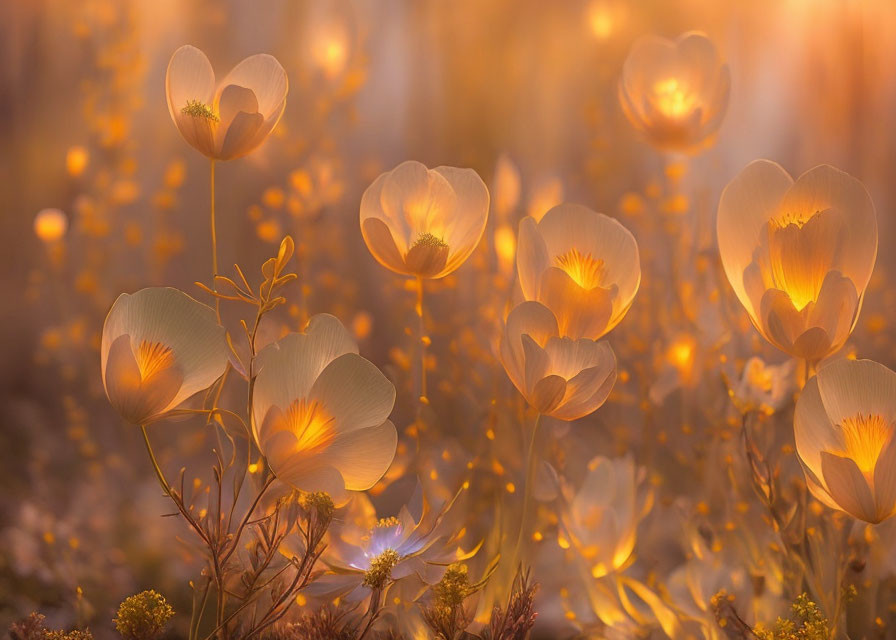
pixel 155 464
pixel 214 246
pixel 527 491
pixel 418 307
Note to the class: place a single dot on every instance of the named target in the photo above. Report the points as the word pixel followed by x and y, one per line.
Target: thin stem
pixel 418 307
pixel 155 465
pixel 527 491
pixel 214 245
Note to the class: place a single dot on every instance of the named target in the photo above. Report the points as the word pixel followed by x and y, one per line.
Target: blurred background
pixel 524 92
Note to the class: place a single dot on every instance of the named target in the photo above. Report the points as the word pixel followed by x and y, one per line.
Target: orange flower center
pixel 585 270
pixel 674 98
pixel 790 217
pixel 864 437
pixel 152 357
pixel 310 424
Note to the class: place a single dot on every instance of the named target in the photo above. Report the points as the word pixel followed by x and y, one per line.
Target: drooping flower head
pixel 844 425
pixel 424 222
pixel 582 265
pixel 601 518
pixel 675 92
pixel 798 254
pixel 159 347
pixel 230 119
pixel 320 410
pixel 559 377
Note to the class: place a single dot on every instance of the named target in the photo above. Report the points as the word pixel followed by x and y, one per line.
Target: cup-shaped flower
pixel 229 119
pixel 559 376
pixel 601 519
pixel 319 411
pixel 798 254
pixel 424 222
pixel 764 387
pixel 675 93
pixel 844 425
pixel 582 265
pixel 159 347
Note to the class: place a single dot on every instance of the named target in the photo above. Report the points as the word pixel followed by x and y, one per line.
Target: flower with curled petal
pixel 424 222
pixel 230 119
pixel 798 254
pixel 320 411
pixel 582 265
pixel 559 377
pixel 404 553
pixel 159 347
pixel 675 92
pixel 844 425
pixel 601 518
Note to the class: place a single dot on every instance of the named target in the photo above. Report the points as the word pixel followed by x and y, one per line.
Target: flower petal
pixel 362 456
pixel 354 393
pixel 265 77
pixel 848 487
pixel 531 258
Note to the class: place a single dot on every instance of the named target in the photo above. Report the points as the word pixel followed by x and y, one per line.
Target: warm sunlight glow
pixel 864 437
pixel 586 271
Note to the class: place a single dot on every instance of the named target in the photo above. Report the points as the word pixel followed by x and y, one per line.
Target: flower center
pixel 585 270
pixel 309 423
pixel 864 437
pixel 152 357
pixel 430 241
pixel 380 569
pixel 391 521
pixel 673 98
pixel 198 109
pixel 791 218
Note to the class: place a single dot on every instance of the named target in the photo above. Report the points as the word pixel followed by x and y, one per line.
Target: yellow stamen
pixel 791 218
pixel 586 271
pixel 309 423
pixel 199 109
pixel 380 570
pixel 387 522
pixel 152 357
pixel 864 437
pixel 429 240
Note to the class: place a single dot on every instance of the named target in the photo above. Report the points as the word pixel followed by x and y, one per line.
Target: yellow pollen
pixel 586 271
pixel 380 570
pixel 673 98
pixel 199 109
pixel 864 437
pixel 387 522
pixel 152 357
pixel 309 423
pixel 429 240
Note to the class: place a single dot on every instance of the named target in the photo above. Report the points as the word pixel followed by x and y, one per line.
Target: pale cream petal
pixel 572 226
pixel 138 401
pixel 826 188
pixel 286 370
pixel 885 481
pixel 580 313
pixel 848 487
pixel 570 357
pixel 471 214
pixel 189 77
pixel 362 456
pixel 533 319
pixel 698 62
pixel 415 201
pixel 354 393
pixel 746 205
pixel 175 320
pixel 241 136
pixel 812 428
pixel 536 363
pixel 849 388
pixel 547 394
pixel 232 100
pixel 531 258
pixel 381 244
pixel 588 390
pixel 265 77
pixel 835 310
